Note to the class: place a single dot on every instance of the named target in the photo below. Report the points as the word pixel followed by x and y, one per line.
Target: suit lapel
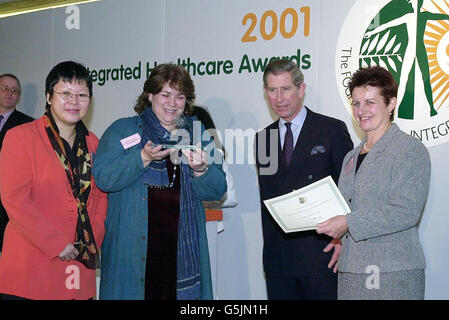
pixel 266 137
pixel 8 125
pixel 10 122
pixel 308 135
pixel 280 161
pixel 348 176
pixel 378 147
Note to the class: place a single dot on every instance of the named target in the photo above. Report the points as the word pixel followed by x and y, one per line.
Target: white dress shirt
pixel 296 126
pixel 5 118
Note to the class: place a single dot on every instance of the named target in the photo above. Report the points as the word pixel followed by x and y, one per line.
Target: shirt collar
pixel 298 120
pixel 5 117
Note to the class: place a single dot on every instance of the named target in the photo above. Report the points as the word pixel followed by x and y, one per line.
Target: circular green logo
pixel 410 38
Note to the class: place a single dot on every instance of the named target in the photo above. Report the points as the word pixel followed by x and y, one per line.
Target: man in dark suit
pixel 9 118
pixel 290 156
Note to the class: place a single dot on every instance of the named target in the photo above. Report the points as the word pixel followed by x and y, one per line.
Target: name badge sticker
pixel 130 141
pixel 349 165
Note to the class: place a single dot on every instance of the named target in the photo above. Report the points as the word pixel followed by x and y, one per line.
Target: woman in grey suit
pixel 385 181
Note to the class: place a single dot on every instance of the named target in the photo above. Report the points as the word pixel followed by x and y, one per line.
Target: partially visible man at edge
pixel 10 90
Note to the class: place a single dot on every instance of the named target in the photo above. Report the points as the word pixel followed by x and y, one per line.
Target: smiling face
pixel 168 105
pixel 371 111
pixel 285 98
pixel 68 112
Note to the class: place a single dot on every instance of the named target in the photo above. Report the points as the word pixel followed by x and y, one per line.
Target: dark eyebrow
pixel 177 95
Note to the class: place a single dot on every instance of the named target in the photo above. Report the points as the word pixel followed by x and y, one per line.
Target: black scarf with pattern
pixel 79 177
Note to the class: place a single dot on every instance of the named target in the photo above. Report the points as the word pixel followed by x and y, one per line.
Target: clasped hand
pixel 149 153
pixel 197 158
pixel 69 253
pixel 334 227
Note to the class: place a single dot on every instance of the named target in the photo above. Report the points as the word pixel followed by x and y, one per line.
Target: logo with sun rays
pixel 410 38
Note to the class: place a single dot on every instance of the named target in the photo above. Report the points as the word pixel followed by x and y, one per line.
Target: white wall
pixel 114 33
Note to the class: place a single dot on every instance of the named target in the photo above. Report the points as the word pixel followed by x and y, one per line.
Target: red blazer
pixel 38 199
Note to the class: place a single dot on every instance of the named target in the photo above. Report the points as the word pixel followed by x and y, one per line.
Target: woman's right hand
pixel 336 245
pixel 69 253
pixel 150 153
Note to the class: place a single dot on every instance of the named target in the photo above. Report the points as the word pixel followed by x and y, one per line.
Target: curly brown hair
pixel 176 76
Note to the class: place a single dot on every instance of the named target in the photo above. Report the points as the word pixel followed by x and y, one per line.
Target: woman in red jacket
pixel 56 212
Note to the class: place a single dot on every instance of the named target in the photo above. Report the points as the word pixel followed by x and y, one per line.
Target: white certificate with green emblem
pixel 302 209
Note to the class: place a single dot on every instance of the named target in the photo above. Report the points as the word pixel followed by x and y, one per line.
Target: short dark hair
pixel 376 77
pixel 67 71
pixel 14 77
pixel 175 76
pixel 277 67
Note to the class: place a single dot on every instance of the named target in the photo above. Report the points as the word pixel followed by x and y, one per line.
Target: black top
pixel 163 218
pixel 360 159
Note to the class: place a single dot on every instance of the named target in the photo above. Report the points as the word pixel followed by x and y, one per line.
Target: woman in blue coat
pixel 155 245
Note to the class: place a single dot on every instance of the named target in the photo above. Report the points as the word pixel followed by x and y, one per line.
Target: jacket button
pixel 310 177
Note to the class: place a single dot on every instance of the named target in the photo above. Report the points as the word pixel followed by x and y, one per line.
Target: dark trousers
pixel 303 288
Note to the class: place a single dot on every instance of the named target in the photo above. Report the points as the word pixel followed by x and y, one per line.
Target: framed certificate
pixel 302 209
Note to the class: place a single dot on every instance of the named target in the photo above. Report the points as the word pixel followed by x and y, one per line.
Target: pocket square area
pixel 317 149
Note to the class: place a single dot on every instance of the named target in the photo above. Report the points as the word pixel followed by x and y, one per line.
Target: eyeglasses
pixel 66 95
pixel 12 90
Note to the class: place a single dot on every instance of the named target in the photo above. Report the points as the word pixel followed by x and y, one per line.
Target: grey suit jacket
pixel 386 197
